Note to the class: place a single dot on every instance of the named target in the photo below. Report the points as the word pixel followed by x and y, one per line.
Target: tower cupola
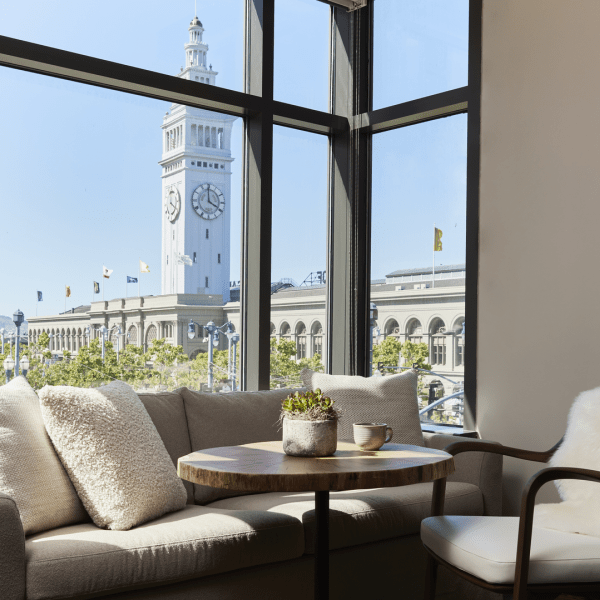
pixel 196 56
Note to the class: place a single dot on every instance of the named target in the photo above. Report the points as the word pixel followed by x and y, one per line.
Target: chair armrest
pixel 526 518
pixel 495 448
pixel 12 551
pixel 483 469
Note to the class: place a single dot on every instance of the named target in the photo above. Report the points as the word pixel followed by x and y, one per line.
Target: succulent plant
pixel 309 406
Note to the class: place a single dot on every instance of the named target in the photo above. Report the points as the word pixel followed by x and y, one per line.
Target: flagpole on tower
pixel 139 275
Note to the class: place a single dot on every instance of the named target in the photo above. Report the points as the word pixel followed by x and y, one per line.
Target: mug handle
pixel 389 432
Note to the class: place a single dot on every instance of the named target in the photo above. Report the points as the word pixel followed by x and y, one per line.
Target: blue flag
pixel 40 298
pixel 131 279
pixel 96 287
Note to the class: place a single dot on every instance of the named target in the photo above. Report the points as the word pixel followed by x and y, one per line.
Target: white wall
pixel 539 279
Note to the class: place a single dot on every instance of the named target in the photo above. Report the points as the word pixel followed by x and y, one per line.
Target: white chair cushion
pixel 486 547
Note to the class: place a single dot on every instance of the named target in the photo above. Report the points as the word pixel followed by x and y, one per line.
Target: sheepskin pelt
pixel 579 511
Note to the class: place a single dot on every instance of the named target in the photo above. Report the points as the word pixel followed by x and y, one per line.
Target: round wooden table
pixel 264 467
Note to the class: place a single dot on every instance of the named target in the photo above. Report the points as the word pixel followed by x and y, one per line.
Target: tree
pixel 285 371
pixel 388 352
pixel 414 353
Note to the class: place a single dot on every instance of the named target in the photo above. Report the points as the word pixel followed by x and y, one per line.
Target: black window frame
pixel 349 125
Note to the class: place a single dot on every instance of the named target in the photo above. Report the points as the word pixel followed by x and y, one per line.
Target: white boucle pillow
pixel 577 513
pixel 112 453
pixel 30 471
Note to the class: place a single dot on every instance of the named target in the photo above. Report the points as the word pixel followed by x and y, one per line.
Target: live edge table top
pixel 264 467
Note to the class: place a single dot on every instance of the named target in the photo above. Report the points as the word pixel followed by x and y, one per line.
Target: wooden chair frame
pixel 519 589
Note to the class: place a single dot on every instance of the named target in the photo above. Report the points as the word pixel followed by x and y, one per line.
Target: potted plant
pixel 309 424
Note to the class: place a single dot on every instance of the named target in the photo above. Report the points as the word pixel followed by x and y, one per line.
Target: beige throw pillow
pixel 391 399
pixel 112 453
pixel 30 471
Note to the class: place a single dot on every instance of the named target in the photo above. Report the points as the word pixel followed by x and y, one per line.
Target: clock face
pixel 172 205
pixel 208 201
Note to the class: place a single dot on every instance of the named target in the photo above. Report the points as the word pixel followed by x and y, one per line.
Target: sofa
pixel 227 546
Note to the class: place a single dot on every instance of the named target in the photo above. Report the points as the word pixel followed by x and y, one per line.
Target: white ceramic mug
pixel 371 436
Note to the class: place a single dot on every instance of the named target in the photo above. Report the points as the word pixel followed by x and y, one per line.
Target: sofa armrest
pixel 12 551
pixel 482 469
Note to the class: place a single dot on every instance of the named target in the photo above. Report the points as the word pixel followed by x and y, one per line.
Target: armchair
pixel 482 549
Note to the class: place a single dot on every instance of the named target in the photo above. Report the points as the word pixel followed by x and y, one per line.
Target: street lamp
pixel 9 365
pixel 25 365
pixel 212 333
pixel 18 318
pixel 373 321
pixel 2 332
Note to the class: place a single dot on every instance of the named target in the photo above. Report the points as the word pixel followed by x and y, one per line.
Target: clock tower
pixel 196 187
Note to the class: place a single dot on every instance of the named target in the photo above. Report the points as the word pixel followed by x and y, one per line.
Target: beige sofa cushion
pixel 168 415
pixel 362 516
pixel 486 548
pixel 193 542
pixel 31 473
pixel 391 399
pixel 112 453
pixel 217 420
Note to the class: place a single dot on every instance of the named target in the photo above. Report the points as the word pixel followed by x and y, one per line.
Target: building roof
pixel 196 22
pixel 77 310
pixel 426 270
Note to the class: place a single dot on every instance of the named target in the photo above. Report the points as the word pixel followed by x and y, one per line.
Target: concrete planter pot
pixel 309 438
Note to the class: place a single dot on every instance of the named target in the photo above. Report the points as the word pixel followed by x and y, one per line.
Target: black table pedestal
pixel 322 546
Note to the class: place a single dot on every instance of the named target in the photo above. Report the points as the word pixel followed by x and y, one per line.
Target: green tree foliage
pixel 388 352
pixel 285 371
pixel 414 353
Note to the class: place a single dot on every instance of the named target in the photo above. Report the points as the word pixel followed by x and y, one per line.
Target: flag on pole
pixel 67 291
pixel 437 240
pixel 40 297
pixel 184 259
pixel 144 268
pixel 106 272
pixel 131 279
pixel 96 287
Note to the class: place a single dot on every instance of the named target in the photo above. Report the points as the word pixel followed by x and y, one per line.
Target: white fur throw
pixel 112 453
pixel 579 511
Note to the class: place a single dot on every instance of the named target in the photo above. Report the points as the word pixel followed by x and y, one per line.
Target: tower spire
pixel 197 67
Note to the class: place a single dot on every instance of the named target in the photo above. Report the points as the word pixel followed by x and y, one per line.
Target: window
pixel 305 204
pixel 207 234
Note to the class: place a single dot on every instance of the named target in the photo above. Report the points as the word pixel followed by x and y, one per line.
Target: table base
pixel 322 545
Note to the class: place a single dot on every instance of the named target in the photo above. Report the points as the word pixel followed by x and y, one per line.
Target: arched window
pixel 414 331
pixel 392 329
pixel 286 331
pixel 132 335
pixel 195 353
pixel 459 342
pixel 437 347
pixel 300 340
pixel 150 335
pixel 317 338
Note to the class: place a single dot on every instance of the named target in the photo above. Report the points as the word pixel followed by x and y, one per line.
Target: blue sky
pixel 79 173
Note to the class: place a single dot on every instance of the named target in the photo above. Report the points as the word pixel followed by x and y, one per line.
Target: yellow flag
pixel 67 290
pixel 144 268
pixel 437 240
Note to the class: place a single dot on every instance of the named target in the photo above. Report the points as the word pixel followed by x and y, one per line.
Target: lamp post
pixel 235 338
pixel 9 365
pixel 18 318
pixel 25 365
pixel 212 333
pixel 373 321
pixel 2 332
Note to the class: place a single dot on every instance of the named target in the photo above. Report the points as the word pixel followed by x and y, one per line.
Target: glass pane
pixel 299 254
pixel 420 48
pixel 132 222
pixel 158 36
pixel 301 71
pixel 419 185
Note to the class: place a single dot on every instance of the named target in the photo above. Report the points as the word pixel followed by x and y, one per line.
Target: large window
pixel 284 144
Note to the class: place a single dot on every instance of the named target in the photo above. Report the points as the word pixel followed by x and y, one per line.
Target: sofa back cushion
pixel 231 419
pixel 168 415
pixel 30 470
pixel 391 399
